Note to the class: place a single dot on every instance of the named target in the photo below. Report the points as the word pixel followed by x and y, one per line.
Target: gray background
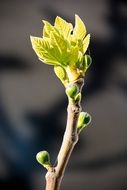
pixel 33 102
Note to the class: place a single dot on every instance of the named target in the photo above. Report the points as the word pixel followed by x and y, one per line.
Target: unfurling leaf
pixel 80 29
pixel 44 50
pixel 73 57
pixel 61 45
pixel 48 28
pixel 86 42
pixel 87 62
pixel 63 27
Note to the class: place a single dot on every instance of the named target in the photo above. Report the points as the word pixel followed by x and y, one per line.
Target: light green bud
pixel 87 62
pixel 43 158
pixel 72 90
pixel 78 97
pixel 83 120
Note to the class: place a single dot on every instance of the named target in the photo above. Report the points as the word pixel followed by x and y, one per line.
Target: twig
pixel 54 176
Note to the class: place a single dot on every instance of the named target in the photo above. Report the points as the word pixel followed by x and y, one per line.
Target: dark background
pixel 33 102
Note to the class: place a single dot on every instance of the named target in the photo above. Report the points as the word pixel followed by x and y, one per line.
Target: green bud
pixel 87 62
pixel 80 60
pixel 83 120
pixel 78 97
pixel 72 90
pixel 60 72
pixel 44 159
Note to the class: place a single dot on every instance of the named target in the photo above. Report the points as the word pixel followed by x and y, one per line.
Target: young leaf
pixel 48 28
pixel 60 45
pixel 49 61
pixel 86 42
pixel 80 29
pixel 44 50
pixel 73 55
pixel 63 27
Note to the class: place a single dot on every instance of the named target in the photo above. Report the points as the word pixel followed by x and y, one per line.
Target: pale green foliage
pixel 86 42
pixel 80 29
pixel 61 45
pixel 63 27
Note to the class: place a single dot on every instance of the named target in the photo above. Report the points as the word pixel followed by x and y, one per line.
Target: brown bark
pixel 54 176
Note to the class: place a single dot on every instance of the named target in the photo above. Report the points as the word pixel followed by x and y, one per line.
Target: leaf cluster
pixel 64 47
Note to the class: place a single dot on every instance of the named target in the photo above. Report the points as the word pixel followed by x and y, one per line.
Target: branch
pixel 54 176
pixel 65 47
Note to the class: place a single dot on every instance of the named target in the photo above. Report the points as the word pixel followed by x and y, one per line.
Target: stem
pixel 54 177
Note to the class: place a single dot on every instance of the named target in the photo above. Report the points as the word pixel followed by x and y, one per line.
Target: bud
pixel 78 97
pixel 60 72
pixel 44 159
pixel 83 120
pixel 72 90
pixel 87 62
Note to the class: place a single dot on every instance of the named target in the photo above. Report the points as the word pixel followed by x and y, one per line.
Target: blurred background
pixel 33 103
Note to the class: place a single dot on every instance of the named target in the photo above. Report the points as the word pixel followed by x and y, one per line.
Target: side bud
pixel 87 62
pixel 78 97
pixel 72 91
pixel 44 159
pixel 83 120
